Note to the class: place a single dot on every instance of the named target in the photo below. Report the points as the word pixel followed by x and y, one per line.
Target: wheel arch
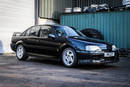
pixel 66 46
pixel 19 42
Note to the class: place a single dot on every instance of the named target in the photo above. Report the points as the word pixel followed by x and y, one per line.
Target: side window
pixel 34 31
pixel 45 31
pixel 60 32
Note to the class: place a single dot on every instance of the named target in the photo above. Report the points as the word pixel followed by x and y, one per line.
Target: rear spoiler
pixel 16 33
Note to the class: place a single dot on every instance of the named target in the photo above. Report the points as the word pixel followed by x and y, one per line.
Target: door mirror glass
pixel 51 36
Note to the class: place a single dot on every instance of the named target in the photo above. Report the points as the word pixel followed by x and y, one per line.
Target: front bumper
pixel 96 58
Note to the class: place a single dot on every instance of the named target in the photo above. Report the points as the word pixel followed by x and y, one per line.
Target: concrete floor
pixel 38 72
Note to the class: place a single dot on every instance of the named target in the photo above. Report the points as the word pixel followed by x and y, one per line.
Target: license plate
pixel 109 54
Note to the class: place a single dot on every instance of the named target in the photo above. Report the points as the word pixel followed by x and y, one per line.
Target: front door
pixel 47 41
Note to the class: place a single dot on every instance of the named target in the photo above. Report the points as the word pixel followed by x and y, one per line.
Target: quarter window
pixel 27 32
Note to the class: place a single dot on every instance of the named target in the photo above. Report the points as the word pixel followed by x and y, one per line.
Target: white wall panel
pixel 15 16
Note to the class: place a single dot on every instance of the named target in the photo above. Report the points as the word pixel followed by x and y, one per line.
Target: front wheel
pixel 69 57
pixel 21 52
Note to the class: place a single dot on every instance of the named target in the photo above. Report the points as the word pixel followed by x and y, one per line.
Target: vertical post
pixel 36 11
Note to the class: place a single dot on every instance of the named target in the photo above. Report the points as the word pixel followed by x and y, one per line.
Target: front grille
pixel 108 48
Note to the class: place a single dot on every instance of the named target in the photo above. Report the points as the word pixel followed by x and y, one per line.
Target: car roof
pixel 55 25
pixel 52 25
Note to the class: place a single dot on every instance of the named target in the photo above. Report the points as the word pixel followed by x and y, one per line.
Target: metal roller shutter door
pixel 15 16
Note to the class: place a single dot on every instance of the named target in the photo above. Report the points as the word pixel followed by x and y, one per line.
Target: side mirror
pixel 51 36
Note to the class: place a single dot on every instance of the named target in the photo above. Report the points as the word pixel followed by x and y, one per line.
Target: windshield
pixel 69 31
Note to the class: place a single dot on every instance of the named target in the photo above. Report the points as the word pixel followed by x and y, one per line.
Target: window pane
pixel 45 31
pixel 27 32
pixel 34 31
pixel 60 32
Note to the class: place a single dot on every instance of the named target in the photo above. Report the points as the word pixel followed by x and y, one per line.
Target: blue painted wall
pixel 115 26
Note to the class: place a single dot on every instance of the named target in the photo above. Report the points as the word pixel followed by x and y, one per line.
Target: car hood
pixel 91 41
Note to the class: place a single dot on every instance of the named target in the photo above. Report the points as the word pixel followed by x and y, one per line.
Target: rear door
pixel 31 39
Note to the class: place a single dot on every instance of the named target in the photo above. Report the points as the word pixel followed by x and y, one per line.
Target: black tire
pixel 92 33
pixel 23 56
pixel 75 60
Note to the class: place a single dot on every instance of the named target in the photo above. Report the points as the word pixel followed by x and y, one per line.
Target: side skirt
pixel 41 55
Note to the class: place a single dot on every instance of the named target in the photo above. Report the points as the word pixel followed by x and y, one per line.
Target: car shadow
pixel 94 67
pixel 45 60
pixel 54 62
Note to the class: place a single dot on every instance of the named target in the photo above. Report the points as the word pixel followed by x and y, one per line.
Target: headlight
pixel 114 48
pixel 93 48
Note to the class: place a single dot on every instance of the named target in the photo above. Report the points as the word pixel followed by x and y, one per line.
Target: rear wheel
pixel 21 52
pixel 69 57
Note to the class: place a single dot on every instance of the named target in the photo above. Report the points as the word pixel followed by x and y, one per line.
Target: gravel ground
pixel 39 72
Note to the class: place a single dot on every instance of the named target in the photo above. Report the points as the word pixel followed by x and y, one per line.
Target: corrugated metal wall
pixel 53 8
pixel 115 26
